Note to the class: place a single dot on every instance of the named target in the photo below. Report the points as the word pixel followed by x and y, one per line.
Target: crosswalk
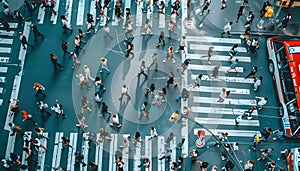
pixel 105 151
pixel 220 116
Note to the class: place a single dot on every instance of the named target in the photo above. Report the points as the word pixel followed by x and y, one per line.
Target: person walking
pixel 75 60
pixel 154 62
pixel 210 54
pixel 215 72
pixel 24 41
pixel 87 72
pixel 39 89
pixel 90 22
pixel 65 142
pixel 224 5
pixel 182 45
pixel 232 66
pixel 147 28
pixel 153 133
pixel 262 101
pixel 83 81
pixel 233 51
pixel 27 117
pixel 238 119
pixel 37 144
pixel 19 17
pixel 129 48
pixel 206 5
pixel 36 32
pixel 64 47
pixel 170 55
pixel 85 105
pixel 43 107
pixel 144 111
pixel 142 70
pixel 171 29
pixel 170 80
pixel 223 95
pixel 66 24
pixel 56 65
pixel 58 110
pixel 285 20
pixel 252 73
pixel 240 13
pixel 77 43
pixel 249 19
pixel 39 131
pixel 103 61
pixel 115 121
pixel 257 83
pixel 197 81
pixel 124 91
pixel 161 39
pixel 263 9
pixel 184 66
pixel 106 31
pixel 150 90
pixel 5 24
pixel 227 29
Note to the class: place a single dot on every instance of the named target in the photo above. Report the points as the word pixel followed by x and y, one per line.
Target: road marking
pixel 4 59
pixel 162 18
pixel 125 153
pixel 226 79
pixel 231 133
pixel 115 20
pixel 173 148
pixel 99 153
pixel 161 164
pixel 24 154
pixel 80 12
pixel 57 150
pixel 219 121
pixel 221 111
pixel 137 156
pixel 5 50
pixel 93 10
pixel 41 14
pixel 6 41
pixel 68 9
pixel 139 13
pixel 11 25
pixel 216 48
pixel 3 69
pixel 42 153
pixel 54 17
pixel 103 18
pixel 219 89
pixel 112 149
pixel 150 12
pixel 85 151
pixel 217 57
pixel 148 150
pixel 6 33
pixel 210 68
pixel 127 5
pixel 1 90
pixel 2 79
pixel 71 156
pixel 212 100
pixel 212 40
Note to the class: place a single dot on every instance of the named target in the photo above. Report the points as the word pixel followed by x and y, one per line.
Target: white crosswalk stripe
pixel 213 40
pixel 216 48
pixel 209 68
pixel 217 57
pixel 210 89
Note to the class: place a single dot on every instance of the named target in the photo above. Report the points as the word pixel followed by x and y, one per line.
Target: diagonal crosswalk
pixel 220 116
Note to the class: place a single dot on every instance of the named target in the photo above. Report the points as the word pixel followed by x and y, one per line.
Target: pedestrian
pixel 93 166
pixel 233 51
pixel 144 111
pixel 161 6
pixel 227 29
pixel 79 159
pixel 64 46
pixel 115 121
pixel 184 95
pixel 170 80
pixel 39 89
pixel 124 91
pixel 65 142
pixel 5 24
pixel 77 43
pixel 193 154
pixel 37 144
pixel 278 134
pixel 232 66
pixel 87 73
pixel 253 46
pixel 197 82
pixel 252 73
pixel 81 34
pixel 90 22
pixel 257 83
pixel 161 39
pixel 170 55
pixel 98 100
pixel 104 109
pixel 13 106
pixel 142 70
pixel 166 155
pixel 215 72
pixel 27 117
pixel 170 138
pixel 176 5
pixel 249 19
pixel 83 81
pixel 81 119
pixel 85 105
pixel 99 85
pixel 53 58
pixel 129 29
pixel 137 139
pixel 180 144
pixel 106 30
pixel 284 154
pixel 15 158
pixel 174 16
pixel 184 65
pixel 39 131
pixel 145 162
pixel 238 119
pixel 103 61
pixel 75 60
pixel 66 24
pixel 263 9
pixel 24 41
pixel 43 107
pixel 171 28
pixel 57 108
pixel 51 6
pixel 103 135
pixel 224 5
pixel 14 128
pixel 147 28
pixel 248 165
pixel 271 166
pixel 210 53
pixel 262 101
pixel 154 62
pixel 229 165
pixel 129 48
pixel 19 17
pixel 223 95
pixel 36 32
pixel 182 45
pixel 29 8
pixel 153 133
pixel 249 112
pixel 205 5
pixel 175 115
pixel 240 13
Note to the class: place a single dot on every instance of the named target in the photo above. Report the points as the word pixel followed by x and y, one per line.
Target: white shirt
pixel 38 142
pixel 124 89
pixel 262 102
pixel 153 133
pixel 66 23
pixel 227 27
pixel 116 119
pixel 238 119
pixel 257 83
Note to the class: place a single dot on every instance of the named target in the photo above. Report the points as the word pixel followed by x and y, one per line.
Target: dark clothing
pixel 36 32
pixel 5 24
pixel 129 48
pixel 55 63
pixel 64 47
pixel 24 42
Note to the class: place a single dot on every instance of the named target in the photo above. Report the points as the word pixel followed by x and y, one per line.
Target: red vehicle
pixel 284 65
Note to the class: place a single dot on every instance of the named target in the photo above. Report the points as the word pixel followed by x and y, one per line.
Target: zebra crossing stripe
pixel 11 25
pixel 150 12
pixel 99 153
pixel 209 68
pixel 6 41
pixel 10 142
pixel 212 100
pixel 103 18
pixel 3 69
pixel 5 50
pixel 161 165
pixel 213 39
pixel 2 79
pixel 93 10
pixel 209 89
pixel 71 156
pixel 112 149
pixel 148 150
pixel 216 48
pixel 173 148
pixel 1 102
pixel 125 154
pixel 162 18
pixel 1 90
pixel 4 59
pixel 42 153
pixel 139 13
pixel 221 111
pixel 220 121
pixel 6 33
pixel 54 17
pixel 115 19
pixel 24 154
pixel 127 5
pixel 137 156
pixel 80 12
pixel 231 133
pixel 85 151
pixel 41 14
pixel 226 79
pixel 217 57
pixel 68 9
pixel 57 150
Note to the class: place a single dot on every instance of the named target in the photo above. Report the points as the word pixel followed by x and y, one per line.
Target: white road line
pixel 4 59
pixel 54 17
pixel 226 79
pixel 216 48
pixel 231 133
pixel 173 148
pixel 85 150
pixel 115 20
pixel 137 156
pixel 93 10
pixel 162 18
pixel 139 13
pixel 113 148
pixel 41 14
pixel 3 69
pixel 1 102
pixel 57 150
pixel 217 57
pixel 5 50
pixel 213 39
pixel 68 9
pixel 125 154
pixel 219 121
pixel 212 100
pixel 103 18
pixel 160 150
pixel 10 142
pixel 211 89
pixel 2 79
pixel 220 111
pixel 127 5
pixel 148 150
pixel 1 90
pixel 24 154
pixel 99 153
pixel 11 25
pixel 6 41
pixel 42 153
pixel 150 12
pixel 80 12
pixel 6 33
pixel 71 156
pixel 210 67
